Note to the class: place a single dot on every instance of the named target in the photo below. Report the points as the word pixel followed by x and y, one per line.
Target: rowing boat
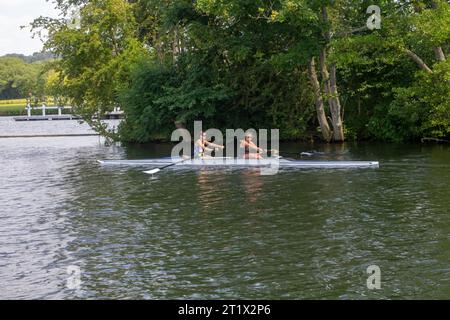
pixel 234 162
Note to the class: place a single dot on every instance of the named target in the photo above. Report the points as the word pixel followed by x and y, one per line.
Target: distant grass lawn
pixel 15 107
pixel 15 102
pixel 20 102
pixel 12 108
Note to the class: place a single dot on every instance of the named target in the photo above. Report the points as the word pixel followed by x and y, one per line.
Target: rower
pixel 251 150
pixel 203 147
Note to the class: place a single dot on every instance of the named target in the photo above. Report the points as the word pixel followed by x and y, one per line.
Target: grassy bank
pixel 12 110
pixel 15 102
pixel 22 102
pixel 16 107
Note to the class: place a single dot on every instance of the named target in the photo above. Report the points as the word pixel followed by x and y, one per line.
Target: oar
pixel 277 152
pixel 308 154
pixel 286 153
pixel 165 167
pixel 291 153
pixel 304 153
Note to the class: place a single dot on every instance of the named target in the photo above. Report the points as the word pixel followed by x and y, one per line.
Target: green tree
pixel 258 63
pixel 17 78
pixel 95 57
pixel 220 69
pixel 387 74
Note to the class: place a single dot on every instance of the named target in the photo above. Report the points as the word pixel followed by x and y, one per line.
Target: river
pixel 221 234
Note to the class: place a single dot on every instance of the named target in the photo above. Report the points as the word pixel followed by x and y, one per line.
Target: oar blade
pixel 307 154
pixel 154 171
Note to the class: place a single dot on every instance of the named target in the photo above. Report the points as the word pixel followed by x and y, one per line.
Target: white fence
pixel 29 108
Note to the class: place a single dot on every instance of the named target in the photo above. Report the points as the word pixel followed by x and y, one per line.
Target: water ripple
pixel 220 234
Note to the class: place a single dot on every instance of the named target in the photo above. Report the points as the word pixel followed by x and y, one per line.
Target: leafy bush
pixel 423 109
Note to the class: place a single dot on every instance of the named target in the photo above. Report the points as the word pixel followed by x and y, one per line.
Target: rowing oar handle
pixel 173 164
pixel 273 151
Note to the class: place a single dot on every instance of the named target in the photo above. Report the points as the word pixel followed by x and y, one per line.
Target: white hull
pixel 232 162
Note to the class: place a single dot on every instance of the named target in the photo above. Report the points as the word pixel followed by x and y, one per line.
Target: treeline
pixel 314 69
pixel 35 57
pixel 22 75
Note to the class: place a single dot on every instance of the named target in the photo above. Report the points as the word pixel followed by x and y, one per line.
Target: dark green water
pixel 219 234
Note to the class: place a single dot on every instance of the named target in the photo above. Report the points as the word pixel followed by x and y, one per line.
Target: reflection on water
pixel 221 233
pixel 210 183
pixel 252 183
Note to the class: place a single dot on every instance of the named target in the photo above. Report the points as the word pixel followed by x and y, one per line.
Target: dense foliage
pixel 395 85
pixel 21 75
pixel 310 68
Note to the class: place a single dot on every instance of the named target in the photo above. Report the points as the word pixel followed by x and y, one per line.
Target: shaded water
pixel 221 233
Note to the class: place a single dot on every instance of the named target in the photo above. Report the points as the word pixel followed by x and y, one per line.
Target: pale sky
pixel 16 13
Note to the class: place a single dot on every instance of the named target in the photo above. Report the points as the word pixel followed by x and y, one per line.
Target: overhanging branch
pixel 418 60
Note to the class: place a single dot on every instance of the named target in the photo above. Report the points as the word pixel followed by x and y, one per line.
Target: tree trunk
pixel 321 117
pixel 440 56
pixel 330 85
pixel 336 116
pixel 325 20
pixel 325 77
pixel 418 60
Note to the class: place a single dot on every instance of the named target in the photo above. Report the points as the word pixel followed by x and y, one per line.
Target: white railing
pixel 29 108
pixel 116 112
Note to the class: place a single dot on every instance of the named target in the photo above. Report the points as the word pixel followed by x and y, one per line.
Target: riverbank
pixel 16 107
pixel 12 110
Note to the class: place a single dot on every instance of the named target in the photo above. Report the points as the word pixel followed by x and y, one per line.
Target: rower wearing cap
pixel 203 147
pixel 251 150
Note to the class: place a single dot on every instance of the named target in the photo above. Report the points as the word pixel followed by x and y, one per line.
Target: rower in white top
pixel 203 147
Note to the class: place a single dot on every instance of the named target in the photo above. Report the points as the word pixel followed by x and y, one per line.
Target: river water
pixel 221 234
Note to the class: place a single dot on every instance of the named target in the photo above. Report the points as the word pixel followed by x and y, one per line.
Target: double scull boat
pixel 235 162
